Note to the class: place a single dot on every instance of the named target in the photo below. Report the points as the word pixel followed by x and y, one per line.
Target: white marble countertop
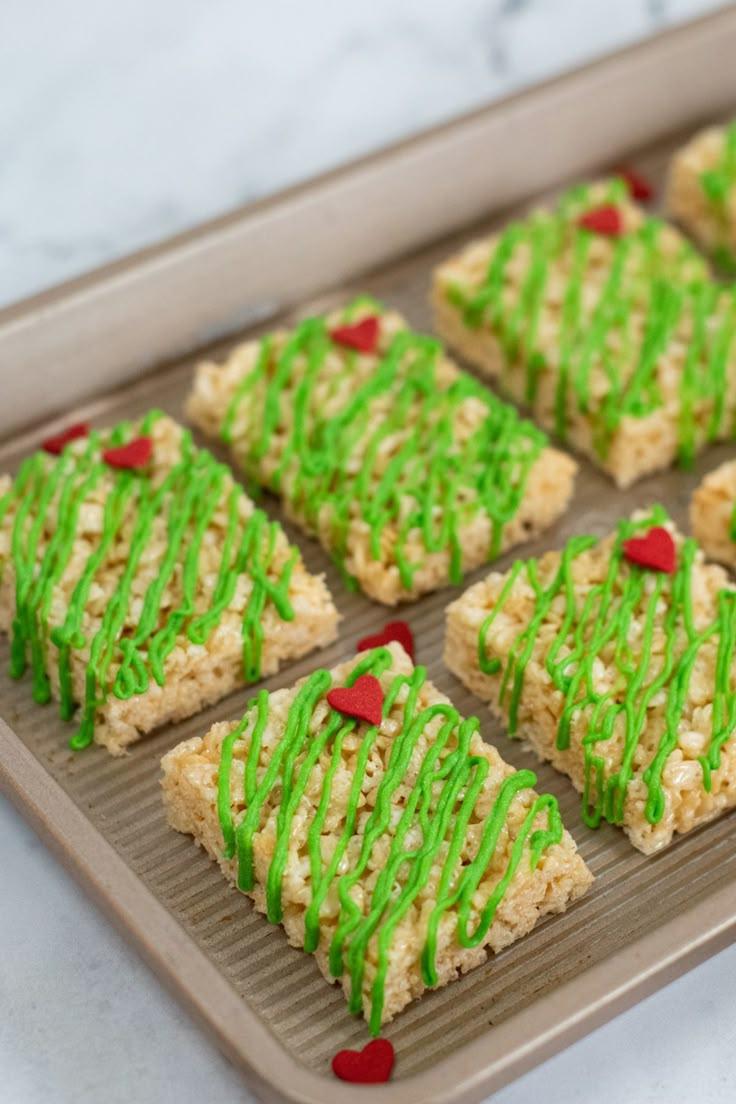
pixel 119 125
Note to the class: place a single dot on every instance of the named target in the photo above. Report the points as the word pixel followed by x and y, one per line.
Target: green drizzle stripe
pixel 717 185
pixel 186 501
pixel 599 621
pixel 449 781
pixel 333 465
pixel 671 291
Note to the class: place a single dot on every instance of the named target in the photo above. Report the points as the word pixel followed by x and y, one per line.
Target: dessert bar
pixel 713 514
pixel 407 469
pixel 140 582
pixel 701 192
pixel 363 813
pixel 604 321
pixel 615 659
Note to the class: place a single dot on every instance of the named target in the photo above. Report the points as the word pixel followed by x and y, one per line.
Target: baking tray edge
pixel 239 269
pixel 550 1023
pixel 573 1008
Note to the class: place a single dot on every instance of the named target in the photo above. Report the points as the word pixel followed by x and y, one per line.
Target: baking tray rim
pixel 233 271
pixel 549 1023
pixel 211 227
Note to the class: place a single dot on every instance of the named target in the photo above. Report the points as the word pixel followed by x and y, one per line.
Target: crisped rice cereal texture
pixel 190 790
pixel 712 513
pixel 687 802
pixel 605 339
pixel 195 674
pixel 709 218
pixel 546 481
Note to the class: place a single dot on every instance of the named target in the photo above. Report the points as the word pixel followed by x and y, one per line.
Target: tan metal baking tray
pixel 135 326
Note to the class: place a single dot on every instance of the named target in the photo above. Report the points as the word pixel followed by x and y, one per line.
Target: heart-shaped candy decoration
pixel 604 220
pixel 55 445
pixel 638 185
pixel 363 700
pixel 397 631
pixel 362 336
pixel 369 1066
pixel 656 549
pixel 135 454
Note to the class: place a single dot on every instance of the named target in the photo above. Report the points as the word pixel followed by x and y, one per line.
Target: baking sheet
pixel 645 919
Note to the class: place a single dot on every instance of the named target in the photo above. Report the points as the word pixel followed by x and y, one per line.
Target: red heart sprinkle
pixel 369 1066
pixel 397 631
pixel 135 454
pixel 362 336
pixel 638 185
pixel 364 699
pixel 656 549
pixel 603 220
pixel 55 445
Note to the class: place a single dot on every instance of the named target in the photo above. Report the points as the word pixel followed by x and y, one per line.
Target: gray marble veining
pixel 121 124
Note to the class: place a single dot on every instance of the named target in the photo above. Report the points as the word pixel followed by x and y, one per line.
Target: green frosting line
pixel 602 620
pixel 332 464
pixel 188 498
pixel 448 782
pixel 718 186
pixel 667 288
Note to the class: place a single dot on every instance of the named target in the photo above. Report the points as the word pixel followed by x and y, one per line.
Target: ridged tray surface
pixel 632 895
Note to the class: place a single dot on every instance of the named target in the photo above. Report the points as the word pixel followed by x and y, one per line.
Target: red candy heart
pixel 369 1066
pixel 397 631
pixel 603 220
pixel 656 549
pixel 135 454
pixel 362 336
pixel 639 187
pixel 55 445
pixel 364 699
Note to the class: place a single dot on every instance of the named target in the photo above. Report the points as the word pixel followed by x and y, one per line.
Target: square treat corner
pixel 391 842
pixel 408 471
pixel 605 322
pixel 141 584
pixel 615 659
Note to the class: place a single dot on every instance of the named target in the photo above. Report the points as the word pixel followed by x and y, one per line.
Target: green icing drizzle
pixel 599 621
pixel 448 783
pixel 187 497
pixel 599 337
pixel 333 463
pixel 718 185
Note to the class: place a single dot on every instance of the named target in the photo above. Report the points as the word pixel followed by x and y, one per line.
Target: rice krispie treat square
pixel 615 659
pixel 363 813
pixel 701 192
pixel 408 471
pixel 605 323
pixel 713 514
pixel 142 584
